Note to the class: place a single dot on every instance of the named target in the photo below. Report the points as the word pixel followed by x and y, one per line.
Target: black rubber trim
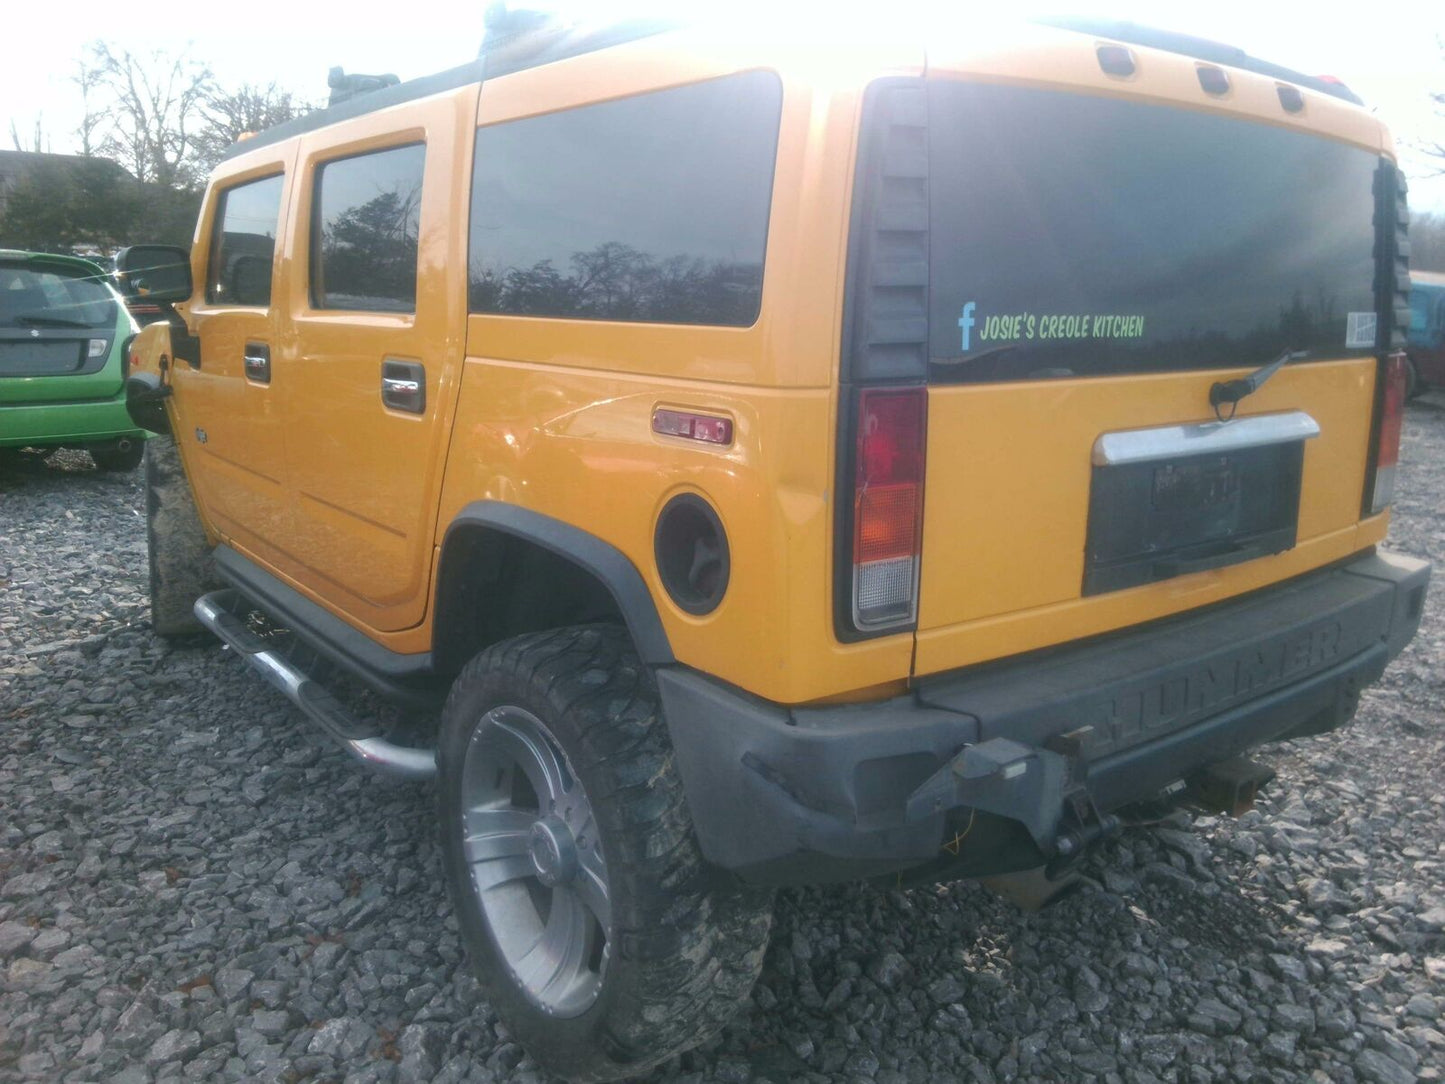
pixel 888 263
pixel 400 678
pixel 1392 300
pixel 799 795
pixel 603 560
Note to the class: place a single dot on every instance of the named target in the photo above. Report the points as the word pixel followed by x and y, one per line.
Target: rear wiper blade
pixel 37 319
pixel 1230 392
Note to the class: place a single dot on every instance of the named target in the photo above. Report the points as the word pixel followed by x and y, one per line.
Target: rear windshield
pixel 1075 236
pixel 39 295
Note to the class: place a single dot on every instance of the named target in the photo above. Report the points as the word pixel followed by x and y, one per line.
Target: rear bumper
pixel 803 795
pixel 76 422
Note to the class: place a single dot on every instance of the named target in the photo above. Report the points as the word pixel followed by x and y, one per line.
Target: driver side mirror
pixel 159 273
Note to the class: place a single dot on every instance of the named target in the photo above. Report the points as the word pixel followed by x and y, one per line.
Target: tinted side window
pixel 366 220
pixel 651 209
pixel 243 243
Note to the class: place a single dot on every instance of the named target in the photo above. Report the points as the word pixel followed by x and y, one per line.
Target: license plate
pixel 1182 486
pixel 1155 519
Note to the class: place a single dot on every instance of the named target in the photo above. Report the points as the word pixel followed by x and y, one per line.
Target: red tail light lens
pixel 888 507
pixel 1392 419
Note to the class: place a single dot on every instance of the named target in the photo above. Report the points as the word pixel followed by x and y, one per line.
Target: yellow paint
pixel 1004 528
pixel 348 502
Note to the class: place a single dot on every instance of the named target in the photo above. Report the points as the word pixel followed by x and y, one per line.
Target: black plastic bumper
pixel 816 794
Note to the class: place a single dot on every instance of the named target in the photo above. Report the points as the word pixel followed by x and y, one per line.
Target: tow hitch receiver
pixel 1229 786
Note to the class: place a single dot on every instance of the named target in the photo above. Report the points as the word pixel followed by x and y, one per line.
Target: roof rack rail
pixel 1200 49
pixel 520 40
pixel 527 38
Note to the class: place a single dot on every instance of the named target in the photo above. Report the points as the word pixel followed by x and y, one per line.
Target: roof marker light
pixel 1213 80
pixel 1291 98
pixel 1116 60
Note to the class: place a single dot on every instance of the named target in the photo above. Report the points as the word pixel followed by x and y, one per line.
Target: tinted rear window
pixel 1079 235
pixel 38 295
pixel 652 208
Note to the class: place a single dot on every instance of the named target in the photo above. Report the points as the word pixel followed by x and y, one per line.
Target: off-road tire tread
pixel 688 950
pixel 113 460
pixel 178 553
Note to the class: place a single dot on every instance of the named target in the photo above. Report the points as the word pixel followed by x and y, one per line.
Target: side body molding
pixel 601 559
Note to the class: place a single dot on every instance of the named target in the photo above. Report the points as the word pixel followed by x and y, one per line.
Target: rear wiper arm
pixel 39 320
pixel 1230 392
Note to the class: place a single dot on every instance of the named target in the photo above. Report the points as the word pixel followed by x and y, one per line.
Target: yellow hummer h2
pixel 790 465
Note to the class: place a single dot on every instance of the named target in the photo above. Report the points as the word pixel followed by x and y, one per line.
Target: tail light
pixel 1387 449
pixel 888 507
pixel 128 359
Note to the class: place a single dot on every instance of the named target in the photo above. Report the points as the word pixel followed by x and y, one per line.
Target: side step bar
pixel 218 612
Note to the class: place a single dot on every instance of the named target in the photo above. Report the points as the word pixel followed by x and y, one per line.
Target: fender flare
pixel 601 559
pixel 145 402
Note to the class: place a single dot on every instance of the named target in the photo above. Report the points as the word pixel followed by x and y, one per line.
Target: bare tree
pixel 38 140
pixel 93 117
pixel 1427 242
pixel 229 115
pixel 157 108
pixel 1434 149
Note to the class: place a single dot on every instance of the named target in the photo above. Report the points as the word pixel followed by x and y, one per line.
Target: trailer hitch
pixel 1230 786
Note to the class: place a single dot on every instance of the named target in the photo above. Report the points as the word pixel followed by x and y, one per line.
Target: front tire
pixel 605 941
pixel 179 554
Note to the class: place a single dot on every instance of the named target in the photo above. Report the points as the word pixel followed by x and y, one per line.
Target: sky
pixel 1392 60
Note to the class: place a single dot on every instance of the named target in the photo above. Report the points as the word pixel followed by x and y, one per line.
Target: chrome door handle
pixel 403 386
pixel 257 362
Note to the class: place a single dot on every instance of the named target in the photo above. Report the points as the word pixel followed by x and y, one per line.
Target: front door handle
pixel 258 363
pixel 403 386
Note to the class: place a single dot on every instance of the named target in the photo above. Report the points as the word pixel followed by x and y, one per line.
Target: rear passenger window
pixel 243 243
pixel 651 209
pixel 366 220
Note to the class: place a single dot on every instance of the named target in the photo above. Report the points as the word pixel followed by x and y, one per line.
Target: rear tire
pixel 122 454
pixel 180 556
pixel 551 744
pixel 1414 386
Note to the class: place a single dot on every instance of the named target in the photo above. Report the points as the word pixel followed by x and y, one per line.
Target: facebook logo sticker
pixel 965 322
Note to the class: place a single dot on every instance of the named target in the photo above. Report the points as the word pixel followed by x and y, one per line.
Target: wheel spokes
pixel 492 872
pixel 534 756
pixel 558 958
pixel 536 865
pixel 496 833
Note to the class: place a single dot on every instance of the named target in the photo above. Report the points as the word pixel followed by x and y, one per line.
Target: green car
pixel 64 333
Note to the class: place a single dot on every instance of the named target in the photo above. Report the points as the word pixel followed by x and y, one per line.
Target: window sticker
pixel 1359 331
pixel 991 332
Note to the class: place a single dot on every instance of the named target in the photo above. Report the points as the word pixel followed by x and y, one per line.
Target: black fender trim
pixel 602 559
pixel 145 402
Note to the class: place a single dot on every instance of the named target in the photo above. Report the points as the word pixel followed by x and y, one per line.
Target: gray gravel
pixel 193 886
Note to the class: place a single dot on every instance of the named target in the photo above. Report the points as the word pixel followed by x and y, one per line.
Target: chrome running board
pixel 218 612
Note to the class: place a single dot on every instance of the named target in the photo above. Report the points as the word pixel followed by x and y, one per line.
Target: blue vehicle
pixel 1425 346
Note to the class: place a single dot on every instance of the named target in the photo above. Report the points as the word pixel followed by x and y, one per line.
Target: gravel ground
pixel 195 886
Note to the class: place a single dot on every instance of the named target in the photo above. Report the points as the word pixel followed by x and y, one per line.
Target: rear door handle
pixel 258 363
pixel 403 386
